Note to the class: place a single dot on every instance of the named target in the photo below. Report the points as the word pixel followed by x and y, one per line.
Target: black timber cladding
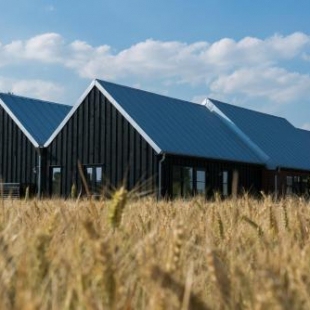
pixel 98 134
pixel 249 179
pixel 18 156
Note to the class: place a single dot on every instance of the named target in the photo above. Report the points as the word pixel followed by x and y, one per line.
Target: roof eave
pixel 286 167
pixel 232 160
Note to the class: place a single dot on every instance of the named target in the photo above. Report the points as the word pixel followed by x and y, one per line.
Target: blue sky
pixel 254 54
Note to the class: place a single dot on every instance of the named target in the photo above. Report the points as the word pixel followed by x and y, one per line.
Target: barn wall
pixel 288 182
pixel 97 134
pixel 18 156
pixel 249 176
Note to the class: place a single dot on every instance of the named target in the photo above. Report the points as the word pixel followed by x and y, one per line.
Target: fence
pixel 9 190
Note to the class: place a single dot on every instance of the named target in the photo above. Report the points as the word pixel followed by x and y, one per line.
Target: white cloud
pixel 275 84
pixel 228 54
pixel 306 126
pixel 176 59
pixel 44 90
pixel 250 67
pixel 46 48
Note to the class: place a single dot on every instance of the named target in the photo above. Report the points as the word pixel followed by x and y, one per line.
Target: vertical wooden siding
pixel 18 156
pixel 269 180
pixel 250 176
pixel 97 134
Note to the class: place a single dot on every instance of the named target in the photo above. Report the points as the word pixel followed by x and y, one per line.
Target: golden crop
pixel 148 254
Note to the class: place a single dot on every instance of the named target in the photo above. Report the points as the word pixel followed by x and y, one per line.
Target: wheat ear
pixel 118 203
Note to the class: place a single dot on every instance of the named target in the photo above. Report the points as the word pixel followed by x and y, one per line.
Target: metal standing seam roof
pixel 305 134
pixel 286 145
pixel 171 125
pixel 36 118
pixel 176 126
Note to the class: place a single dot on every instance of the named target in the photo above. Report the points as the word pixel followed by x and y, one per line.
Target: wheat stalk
pixel 175 250
pixel 117 206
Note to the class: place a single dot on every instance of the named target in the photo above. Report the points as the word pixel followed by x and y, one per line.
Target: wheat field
pixel 146 254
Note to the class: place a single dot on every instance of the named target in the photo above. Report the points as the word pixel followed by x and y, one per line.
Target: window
pixel 182 181
pixel 201 182
pixel 94 178
pixel 187 181
pixel 176 182
pixel 289 185
pixel 305 185
pixel 55 181
pixel 297 185
pixel 225 183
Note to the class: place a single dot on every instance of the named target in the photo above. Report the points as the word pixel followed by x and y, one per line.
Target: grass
pixel 233 254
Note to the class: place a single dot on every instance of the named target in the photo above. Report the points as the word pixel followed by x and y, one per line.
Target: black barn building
pixel 119 133
pixel 287 149
pixel 25 125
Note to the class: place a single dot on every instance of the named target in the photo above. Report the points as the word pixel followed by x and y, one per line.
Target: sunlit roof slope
pixel 36 118
pixel 286 145
pixel 178 127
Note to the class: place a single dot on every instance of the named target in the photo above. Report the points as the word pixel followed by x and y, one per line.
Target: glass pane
pixel 98 175
pixel 187 181
pixel 201 182
pixel 201 176
pixel 176 181
pixel 225 189
pixel 305 185
pixel 289 185
pixel 289 180
pixel 225 183
pixel 225 177
pixel 56 181
pixel 94 176
pixel 89 172
pixel 201 188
